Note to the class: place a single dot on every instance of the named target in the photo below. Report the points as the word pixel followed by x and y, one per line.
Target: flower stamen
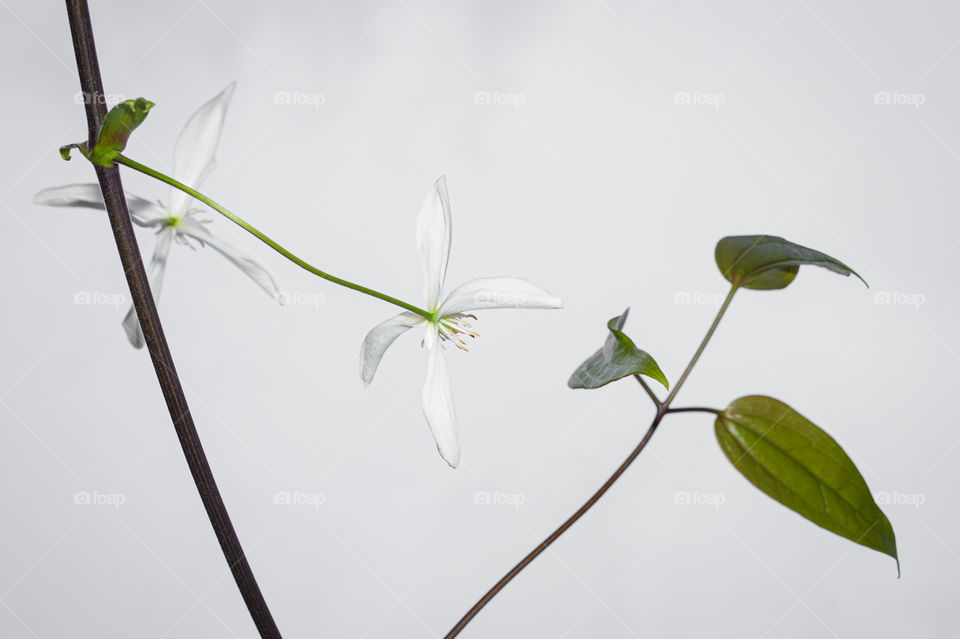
pixel 454 328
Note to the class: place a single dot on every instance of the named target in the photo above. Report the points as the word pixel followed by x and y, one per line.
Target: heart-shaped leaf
pixel 798 464
pixel 767 262
pixel 618 358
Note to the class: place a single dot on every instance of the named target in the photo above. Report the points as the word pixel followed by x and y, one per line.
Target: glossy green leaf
pixel 117 127
pixel 767 262
pixel 798 464
pixel 618 358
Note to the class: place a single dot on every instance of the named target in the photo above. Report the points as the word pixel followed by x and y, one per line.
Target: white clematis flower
pixel 193 159
pixel 450 325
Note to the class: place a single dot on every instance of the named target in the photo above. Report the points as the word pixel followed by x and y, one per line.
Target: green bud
pixel 117 127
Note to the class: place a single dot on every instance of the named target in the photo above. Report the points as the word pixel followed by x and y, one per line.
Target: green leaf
pixel 618 358
pixel 798 464
pixel 767 262
pixel 117 127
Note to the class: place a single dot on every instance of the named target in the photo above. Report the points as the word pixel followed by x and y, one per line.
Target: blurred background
pixel 599 149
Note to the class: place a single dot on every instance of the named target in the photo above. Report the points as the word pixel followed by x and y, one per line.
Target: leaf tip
pixel 617 323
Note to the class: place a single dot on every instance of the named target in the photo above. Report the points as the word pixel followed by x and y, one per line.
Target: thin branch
pixel 112 188
pixel 646 387
pixel 703 345
pixel 693 409
pixel 526 561
pixel 662 409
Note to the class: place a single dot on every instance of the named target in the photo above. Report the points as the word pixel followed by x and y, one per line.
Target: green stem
pixel 703 345
pixel 146 170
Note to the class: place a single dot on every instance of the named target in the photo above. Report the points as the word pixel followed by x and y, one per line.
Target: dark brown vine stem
pixel 533 554
pixel 109 178
pixel 663 409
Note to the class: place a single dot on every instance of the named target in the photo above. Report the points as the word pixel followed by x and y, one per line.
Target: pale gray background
pixel 599 186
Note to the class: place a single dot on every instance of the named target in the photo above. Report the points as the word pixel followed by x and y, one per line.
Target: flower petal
pixel 158 264
pixel 433 240
pixel 190 227
pixel 379 339
pixel 497 292
pixel 193 156
pixel 143 212
pixel 438 403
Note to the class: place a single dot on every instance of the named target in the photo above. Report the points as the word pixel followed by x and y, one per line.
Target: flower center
pixel 454 328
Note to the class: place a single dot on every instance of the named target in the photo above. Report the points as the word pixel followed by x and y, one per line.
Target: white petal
pixel 155 270
pixel 193 157
pixel 143 212
pixel 433 240
pixel 497 292
pixel 257 273
pixel 438 403
pixel 379 339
